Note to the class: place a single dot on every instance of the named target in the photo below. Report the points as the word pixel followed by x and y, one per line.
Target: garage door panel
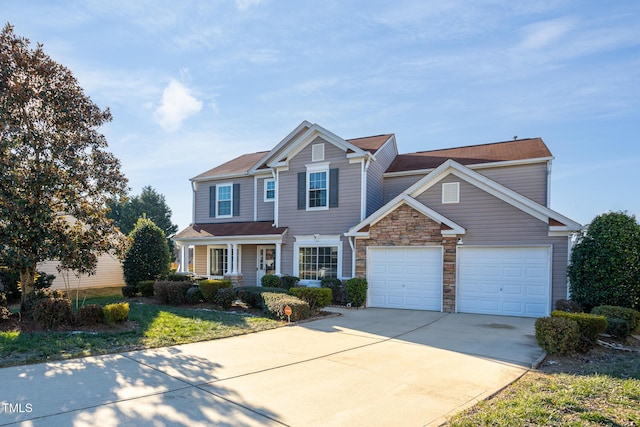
pixel 405 277
pixel 512 280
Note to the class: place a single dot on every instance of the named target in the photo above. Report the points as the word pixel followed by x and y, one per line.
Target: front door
pixel 266 262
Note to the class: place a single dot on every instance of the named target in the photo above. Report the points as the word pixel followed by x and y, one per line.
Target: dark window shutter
pixel 333 188
pixel 302 190
pixel 212 201
pixel 236 199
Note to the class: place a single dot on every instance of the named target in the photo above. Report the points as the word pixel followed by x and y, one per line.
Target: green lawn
pixel 158 326
pixel 604 391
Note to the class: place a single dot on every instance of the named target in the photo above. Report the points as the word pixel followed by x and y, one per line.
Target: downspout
pixel 353 255
pixel 548 183
pixel 194 186
pixel 276 202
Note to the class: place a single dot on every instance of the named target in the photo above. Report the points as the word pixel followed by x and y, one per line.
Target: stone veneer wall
pixel 407 227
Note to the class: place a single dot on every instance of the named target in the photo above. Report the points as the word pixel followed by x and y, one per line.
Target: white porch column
pixel 235 259
pixel 229 255
pixel 183 256
pixel 278 250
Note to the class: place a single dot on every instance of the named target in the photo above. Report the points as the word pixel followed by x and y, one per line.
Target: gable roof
pixel 239 165
pixel 520 149
pixel 557 223
pixel 371 143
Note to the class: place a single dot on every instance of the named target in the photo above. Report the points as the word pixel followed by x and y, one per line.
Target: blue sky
pixel 192 84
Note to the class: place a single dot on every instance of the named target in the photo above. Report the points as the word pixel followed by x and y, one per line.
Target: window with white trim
pixel 451 192
pixel 317 262
pixel 317 190
pixel 224 200
pixel 269 190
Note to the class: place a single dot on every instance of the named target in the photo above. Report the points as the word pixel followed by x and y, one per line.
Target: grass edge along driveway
pixel 158 326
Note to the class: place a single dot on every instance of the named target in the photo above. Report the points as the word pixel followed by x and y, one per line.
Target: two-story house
pixel 464 229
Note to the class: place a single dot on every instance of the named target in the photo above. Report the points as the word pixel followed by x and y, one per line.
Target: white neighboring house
pixel 108 273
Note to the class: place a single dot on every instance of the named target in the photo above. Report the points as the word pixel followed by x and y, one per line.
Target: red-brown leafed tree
pixel 56 175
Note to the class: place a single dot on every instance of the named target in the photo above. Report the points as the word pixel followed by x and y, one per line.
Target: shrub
pixel 209 288
pixel 557 335
pixel 9 284
pixel 90 314
pixel 5 314
pixel 160 291
pixel 337 289
pixel 252 295
pixel 3 299
pixel 177 292
pixel 275 303
pixel 631 316
pixel 145 287
pixel 129 291
pixel 317 298
pixel 270 281
pixel 175 277
pixel 53 312
pixel 43 280
pixel 194 295
pixel 148 256
pixel 116 313
pixel 225 297
pixel 569 306
pixel 591 325
pixel 33 297
pixel 288 282
pixel 619 328
pixel 356 289
pixel 604 262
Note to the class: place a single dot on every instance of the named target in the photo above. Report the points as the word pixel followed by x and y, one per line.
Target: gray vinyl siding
pixel 491 221
pixel 334 221
pixel 528 180
pixel 375 188
pixel 265 209
pixel 246 200
pixel 108 273
pixel 397 184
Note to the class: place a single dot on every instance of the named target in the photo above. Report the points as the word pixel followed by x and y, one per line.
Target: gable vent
pixel 451 192
pixel 317 152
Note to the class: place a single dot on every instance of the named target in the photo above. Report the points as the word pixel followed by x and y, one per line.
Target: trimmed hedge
pixel 177 292
pixel 569 306
pixel 631 316
pixel 337 289
pixel 356 289
pixel 275 303
pixel 591 325
pixel 34 297
pixel 270 281
pixel 145 287
pixel 174 277
pixel 557 335
pixel 225 297
pixel 90 314
pixel 194 295
pixel 116 313
pixel 130 291
pixel 209 288
pixel 252 295
pixel 53 312
pixel 288 282
pixel 316 297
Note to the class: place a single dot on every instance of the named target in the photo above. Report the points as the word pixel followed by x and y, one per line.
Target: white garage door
pixel 405 277
pixel 511 281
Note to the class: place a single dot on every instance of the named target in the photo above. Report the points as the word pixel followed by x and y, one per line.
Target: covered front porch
pixel 241 252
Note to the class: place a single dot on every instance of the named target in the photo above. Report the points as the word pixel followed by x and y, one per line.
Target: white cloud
pixel 542 34
pixel 177 105
pixel 246 4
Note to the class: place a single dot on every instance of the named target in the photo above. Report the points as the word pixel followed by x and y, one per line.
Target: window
pixel 317 152
pixel 317 263
pixel 451 192
pixel 218 261
pixel 269 190
pixel 317 194
pixel 224 200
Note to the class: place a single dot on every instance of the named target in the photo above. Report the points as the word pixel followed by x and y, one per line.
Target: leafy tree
pixel 56 175
pixel 126 212
pixel 605 263
pixel 148 256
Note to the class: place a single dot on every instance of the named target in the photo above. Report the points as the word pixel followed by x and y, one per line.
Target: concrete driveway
pixel 364 367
